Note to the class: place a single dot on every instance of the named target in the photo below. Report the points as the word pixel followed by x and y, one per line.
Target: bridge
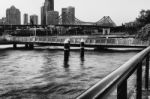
pixel 104 23
pixel 101 42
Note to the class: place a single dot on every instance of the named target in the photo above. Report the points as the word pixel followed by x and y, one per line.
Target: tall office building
pixel 71 14
pixel 52 18
pixel 13 16
pixel 48 6
pixel 43 21
pixel 3 21
pixel 68 15
pixel 64 16
pixel 25 19
pixel 34 20
pixel 51 3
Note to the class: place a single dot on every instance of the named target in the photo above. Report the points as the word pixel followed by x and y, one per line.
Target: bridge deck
pixel 75 41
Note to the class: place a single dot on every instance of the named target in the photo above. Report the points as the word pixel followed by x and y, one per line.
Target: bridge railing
pixel 117 80
pixel 88 40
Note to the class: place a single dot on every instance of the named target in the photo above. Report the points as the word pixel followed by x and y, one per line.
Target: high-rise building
pixel 52 18
pixel 68 15
pixel 34 20
pixel 43 16
pixel 51 3
pixel 13 16
pixel 64 16
pixel 25 19
pixel 48 6
pixel 71 14
pixel 3 21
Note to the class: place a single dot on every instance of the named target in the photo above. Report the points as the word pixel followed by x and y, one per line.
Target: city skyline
pixel 120 11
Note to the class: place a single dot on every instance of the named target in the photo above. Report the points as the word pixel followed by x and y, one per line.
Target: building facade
pixel 52 18
pixel 64 16
pixel 25 19
pixel 13 16
pixel 33 20
pixel 48 6
pixel 3 21
pixel 68 15
pixel 43 16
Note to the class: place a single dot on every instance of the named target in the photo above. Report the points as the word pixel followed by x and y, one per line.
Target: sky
pixel 120 11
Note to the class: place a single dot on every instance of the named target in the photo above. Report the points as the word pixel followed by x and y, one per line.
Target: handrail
pixel 117 77
pixel 88 41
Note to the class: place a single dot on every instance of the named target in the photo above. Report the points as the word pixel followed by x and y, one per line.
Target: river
pixel 43 74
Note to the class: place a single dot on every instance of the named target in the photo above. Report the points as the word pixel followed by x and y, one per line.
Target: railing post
pixel 122 90
pixel 139 81
pixel 147 73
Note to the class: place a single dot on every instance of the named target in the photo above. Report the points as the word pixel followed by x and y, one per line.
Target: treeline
pixel 141 26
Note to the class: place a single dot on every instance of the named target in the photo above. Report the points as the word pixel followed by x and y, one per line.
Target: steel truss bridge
pixel 105 22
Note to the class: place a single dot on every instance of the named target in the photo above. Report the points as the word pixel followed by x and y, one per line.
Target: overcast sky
pixel 120 11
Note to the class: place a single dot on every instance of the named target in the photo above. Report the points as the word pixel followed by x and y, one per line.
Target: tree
pixel 144 33
pixel 144 18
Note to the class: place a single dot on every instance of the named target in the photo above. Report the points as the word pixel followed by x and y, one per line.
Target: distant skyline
pixel 120 11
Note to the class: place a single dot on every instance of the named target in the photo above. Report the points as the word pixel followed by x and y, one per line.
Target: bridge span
pixel 89 41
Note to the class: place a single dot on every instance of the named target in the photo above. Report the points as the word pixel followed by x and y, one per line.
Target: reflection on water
pixel 43 74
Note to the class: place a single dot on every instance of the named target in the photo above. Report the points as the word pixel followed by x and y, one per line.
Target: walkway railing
pixel 118 79
pixel 88 40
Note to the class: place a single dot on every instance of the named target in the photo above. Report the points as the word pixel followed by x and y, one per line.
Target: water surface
pixel 43 74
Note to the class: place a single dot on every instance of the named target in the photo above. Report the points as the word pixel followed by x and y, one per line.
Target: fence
pixel 118 79
pixel 88 40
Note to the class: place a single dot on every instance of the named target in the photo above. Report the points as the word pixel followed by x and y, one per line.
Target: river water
pixel 43 74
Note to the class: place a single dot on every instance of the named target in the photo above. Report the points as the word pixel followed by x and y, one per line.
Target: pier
pixel 93 42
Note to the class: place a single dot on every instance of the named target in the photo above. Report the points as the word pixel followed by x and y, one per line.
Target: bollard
pixel 82 48
pixel 14 45
pixel 66 49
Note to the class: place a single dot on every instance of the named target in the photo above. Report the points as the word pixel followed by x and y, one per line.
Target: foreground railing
pixel 118 79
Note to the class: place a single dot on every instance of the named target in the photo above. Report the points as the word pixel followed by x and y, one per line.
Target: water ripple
pixel 43 74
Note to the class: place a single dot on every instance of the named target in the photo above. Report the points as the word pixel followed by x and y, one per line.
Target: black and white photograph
pixel 74 49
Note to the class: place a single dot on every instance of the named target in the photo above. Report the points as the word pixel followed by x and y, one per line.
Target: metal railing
pixel 117 80
pixel 89 41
